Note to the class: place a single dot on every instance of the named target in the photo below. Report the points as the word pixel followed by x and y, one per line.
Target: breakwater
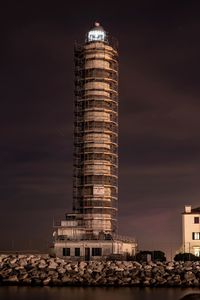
pixel 44 270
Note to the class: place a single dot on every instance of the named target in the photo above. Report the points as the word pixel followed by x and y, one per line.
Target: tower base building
pixel 90 232
pixel 71 241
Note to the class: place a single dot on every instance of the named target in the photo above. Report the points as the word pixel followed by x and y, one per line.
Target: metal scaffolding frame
pixel 95 159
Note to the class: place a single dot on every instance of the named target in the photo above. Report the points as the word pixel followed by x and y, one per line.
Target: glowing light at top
pixel 97 33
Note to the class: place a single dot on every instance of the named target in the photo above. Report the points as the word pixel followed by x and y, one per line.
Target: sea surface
pixel 93 293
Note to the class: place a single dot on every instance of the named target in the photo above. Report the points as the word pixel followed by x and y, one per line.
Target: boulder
pixel 61 270
pixel 66 279
pixel 46 281
pixel 52 265
pixel 12 279
pixel 189 276
pixel 82 265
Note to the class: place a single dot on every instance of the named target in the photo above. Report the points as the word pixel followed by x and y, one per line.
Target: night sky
pixel 159 109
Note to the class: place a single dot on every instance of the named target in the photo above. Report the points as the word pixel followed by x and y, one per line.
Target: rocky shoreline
pixel 42 270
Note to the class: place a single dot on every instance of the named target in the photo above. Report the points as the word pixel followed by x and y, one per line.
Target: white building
pixel 191 230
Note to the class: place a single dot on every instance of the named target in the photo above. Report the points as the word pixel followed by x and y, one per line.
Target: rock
pixel 43 270
pixel 46 281
pixel 148 267
pixel 51 272
pixel 177 277
pixel 60 261
pixel 189 276
pixel 135 282
pixel 137 264
pixel 126 273
pixel 155 270
pixel 27 281
pixel 43 266
pixel 43 261
pixel 61 270
pixel 187 264
pixel 28 267
pixel 13 279
pixel 127 279
pixel 146 282
pixel 36 281
pixel 76 269
pixel 13 261
pixel 5 272
pixel 128 264
pixel 98 268
pixel 68 267
pixel 66 279
pixel 19 268
pixel 171 283
pixel 81 272
pixel 23 276
pixel 117 269
pixel 23 262
pixel 188 268
pixel 135 274
pixel 3 256
pixel 119 264
pixel 56 282
pixel 160 280
pixel 196 282
pixel 43 275
pixel 152 281
pixel 52 266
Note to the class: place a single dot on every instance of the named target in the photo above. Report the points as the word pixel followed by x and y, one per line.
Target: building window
pixel 196 235
pixel 77 251
pixel 197 252
pixel 96 251
pixel 196 220
pixel 66 251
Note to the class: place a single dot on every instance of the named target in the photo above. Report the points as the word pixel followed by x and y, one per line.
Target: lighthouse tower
pixel 91 230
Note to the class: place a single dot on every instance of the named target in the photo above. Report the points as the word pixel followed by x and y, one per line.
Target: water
pixel 79 293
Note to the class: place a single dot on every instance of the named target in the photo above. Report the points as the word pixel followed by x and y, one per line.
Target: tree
pixel 155 255
pixel 185 257
pixel 158 255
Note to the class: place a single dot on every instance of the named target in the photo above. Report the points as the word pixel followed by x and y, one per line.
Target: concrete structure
pixel 90 231
pixel 191 230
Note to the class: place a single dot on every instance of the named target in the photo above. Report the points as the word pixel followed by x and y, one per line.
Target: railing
pixel 108 237
pixel 123 238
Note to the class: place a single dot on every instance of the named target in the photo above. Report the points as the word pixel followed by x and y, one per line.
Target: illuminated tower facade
pixel 90 232
pixel 95 180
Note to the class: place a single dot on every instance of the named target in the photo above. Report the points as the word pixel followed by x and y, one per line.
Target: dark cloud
pixel 159 115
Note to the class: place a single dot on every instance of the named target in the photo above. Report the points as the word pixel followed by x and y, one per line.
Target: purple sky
pixel 159 115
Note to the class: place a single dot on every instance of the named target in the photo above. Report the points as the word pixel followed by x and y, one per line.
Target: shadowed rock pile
pixel 44 270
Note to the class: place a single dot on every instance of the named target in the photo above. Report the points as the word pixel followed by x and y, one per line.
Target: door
pixel 87 253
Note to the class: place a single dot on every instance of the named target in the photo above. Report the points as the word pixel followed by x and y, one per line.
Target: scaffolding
pixel 95 162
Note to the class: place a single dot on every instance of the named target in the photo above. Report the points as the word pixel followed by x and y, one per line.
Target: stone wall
pixel 44 270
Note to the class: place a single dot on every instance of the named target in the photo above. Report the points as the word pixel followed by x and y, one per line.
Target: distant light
pixel 96 35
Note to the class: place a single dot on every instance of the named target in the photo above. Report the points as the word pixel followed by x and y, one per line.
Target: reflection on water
pixel 90 293
pixel 195 296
